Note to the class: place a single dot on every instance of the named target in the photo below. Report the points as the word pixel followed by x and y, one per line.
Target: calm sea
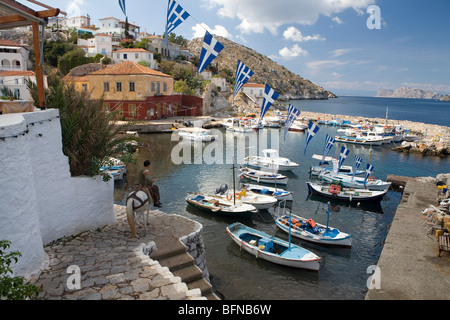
pixel 343 273
pixel 417 110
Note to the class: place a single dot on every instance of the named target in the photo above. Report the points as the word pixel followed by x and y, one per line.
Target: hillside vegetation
pixel 285 82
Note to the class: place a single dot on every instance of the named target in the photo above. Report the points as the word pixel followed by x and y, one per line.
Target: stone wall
pixel 196 249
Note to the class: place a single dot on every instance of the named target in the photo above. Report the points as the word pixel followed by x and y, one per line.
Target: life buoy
pixel 230 196
pixel 372 178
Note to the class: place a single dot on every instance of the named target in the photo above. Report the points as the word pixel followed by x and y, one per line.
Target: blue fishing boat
pixel 272 249
pixel 309 230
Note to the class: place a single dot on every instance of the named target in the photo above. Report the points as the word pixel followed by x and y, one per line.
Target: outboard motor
pixel 222 190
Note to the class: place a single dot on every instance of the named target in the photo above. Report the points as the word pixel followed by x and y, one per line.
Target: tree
pixel 13 288
pixel 53 50
pixel 89 135
pixel 71 60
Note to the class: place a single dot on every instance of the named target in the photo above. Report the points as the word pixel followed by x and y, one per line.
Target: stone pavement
pixel 114 267
pixel 409 265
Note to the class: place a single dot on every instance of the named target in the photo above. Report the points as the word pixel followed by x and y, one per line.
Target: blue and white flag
pixel 358 161
pixel 342 156
pixel 175 15
pixel 122 6
pixel 292 115
pixel 210 50
pixel 329 141
pixel 369 170
pixel 270 96
pixel 243 73
pixel 312 130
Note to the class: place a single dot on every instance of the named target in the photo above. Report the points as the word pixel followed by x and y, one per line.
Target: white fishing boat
pixel 220 205
pixel 263 176
pixel 298 127
pixel 360 139
pixel 196 134
pixel 115 167
pixel 344 193
pixel 270 159
pixel 239 125
pixel 272 249
pixel 259 201
pixel 316 170
pixel 277 193
pixel 309 230
pixel 354 182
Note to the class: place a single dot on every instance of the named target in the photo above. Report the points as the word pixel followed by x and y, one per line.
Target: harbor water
pixel 237 275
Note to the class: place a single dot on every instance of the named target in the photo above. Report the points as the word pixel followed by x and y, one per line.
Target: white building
pixel 255 90
pixel 135 55
pixel 77 22
pixel 16 82
pixel 101 43
pixel 158 45
pixel 13 56
pixel 116 28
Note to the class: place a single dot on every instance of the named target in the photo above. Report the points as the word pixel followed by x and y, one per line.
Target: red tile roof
pixel 254 85
pixel 131 50
pixel 16 73
pixel 129 68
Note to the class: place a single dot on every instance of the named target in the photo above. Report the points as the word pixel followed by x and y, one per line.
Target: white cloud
pixel 337 20
pixel 319 65
pixel 73 8
pixel 199 31
pixel 256 16
pixel 340 52
pixel 292 33
pixel 290 53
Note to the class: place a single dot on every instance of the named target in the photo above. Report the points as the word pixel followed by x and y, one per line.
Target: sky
pixel 348 47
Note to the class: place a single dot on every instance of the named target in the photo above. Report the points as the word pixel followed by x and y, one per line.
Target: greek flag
pixel 269 98
pixel 210 50
pixel 344 153
pixel 175 15
pixel 358 160
pixel 243 73
pixel 312 130
pixel 122 6
pixel 329 141
pixel 369 170
pixel 292 115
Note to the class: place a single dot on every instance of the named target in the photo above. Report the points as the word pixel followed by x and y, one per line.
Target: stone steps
pixel 172 254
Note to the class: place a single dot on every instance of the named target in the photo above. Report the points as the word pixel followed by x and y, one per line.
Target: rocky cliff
pixel 283 81
pixel 406 92
pixel 446 98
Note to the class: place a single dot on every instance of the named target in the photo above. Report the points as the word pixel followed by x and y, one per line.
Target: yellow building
pixel 128 81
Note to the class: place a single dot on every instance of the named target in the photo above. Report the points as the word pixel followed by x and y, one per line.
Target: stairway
pixel 172 253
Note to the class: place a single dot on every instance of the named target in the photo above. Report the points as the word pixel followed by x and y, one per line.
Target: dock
pixel 410 267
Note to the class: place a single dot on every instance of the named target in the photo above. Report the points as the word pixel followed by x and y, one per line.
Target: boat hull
pixel 279 194
pixel 357 182
pixel 296 257
pixel 225 208
pixel 352 140
pixel 335 238
pixel 265 177
pixel 347 194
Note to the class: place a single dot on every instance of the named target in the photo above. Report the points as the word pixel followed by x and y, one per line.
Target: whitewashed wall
pixel 39 200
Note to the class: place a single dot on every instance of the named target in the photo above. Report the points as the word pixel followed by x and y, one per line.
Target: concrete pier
pixel 409 266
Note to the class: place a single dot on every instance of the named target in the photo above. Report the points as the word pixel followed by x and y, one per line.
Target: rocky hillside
pixel 283 81
pixel 406 92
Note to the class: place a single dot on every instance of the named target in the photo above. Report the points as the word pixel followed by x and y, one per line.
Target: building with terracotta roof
pixel 135 55
pixel 135 91
pixel 256 90
pixel 101 43
pixel 158 45
pixel 13 56
pixel 16 81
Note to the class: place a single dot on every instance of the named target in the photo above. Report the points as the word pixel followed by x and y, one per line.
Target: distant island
pixel 407 92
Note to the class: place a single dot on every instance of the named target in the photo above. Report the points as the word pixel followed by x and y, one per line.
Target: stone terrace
pixel 113 266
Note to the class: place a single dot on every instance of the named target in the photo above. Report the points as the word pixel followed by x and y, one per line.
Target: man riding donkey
pixel 147 185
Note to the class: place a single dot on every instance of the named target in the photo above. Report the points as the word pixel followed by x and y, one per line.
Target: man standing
pixel 148 182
